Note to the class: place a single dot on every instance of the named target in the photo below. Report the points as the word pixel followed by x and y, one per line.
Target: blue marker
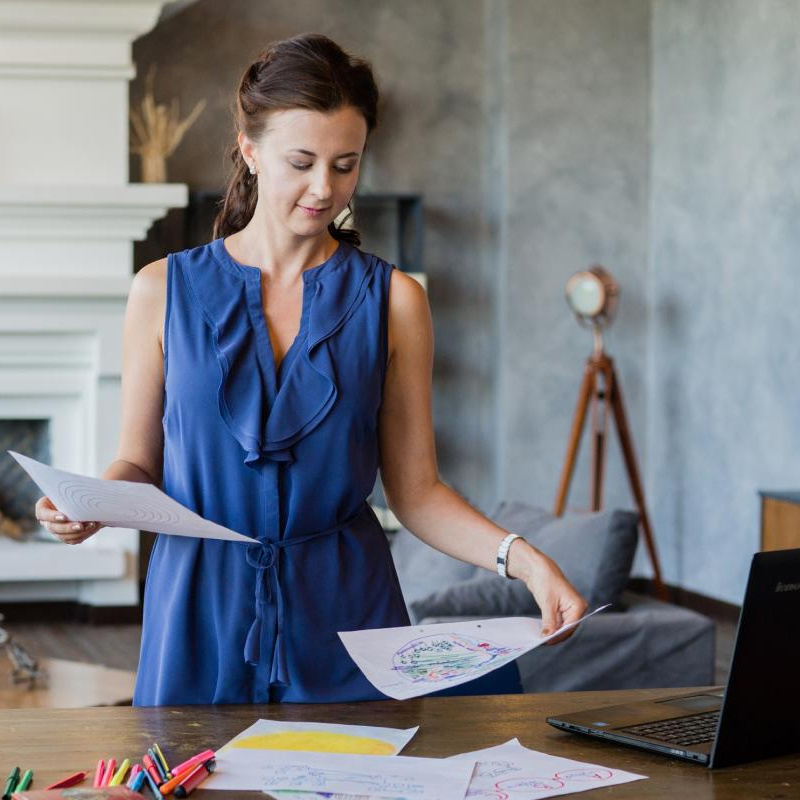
pixel 151 783
pixel 135 783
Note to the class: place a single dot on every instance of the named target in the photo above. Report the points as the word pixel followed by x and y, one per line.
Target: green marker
pixel 11 783
pixel 25 782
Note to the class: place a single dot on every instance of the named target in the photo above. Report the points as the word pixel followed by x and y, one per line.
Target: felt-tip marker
pixel 11 783
pixel 120 774
pixel 152 770
pixel 193 761
pixel 162 760
pixel 25 781
pixel 70 780
pixel 137 781
pixel 111 766
pixel 151 783
pixel 162 773
pixel 196 777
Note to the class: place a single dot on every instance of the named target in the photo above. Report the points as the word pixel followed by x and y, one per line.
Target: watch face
pixel 585 294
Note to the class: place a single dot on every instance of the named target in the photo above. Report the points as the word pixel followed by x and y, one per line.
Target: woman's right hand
pixel 58 524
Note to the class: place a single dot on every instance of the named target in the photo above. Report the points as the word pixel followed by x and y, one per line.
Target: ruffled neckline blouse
pixel 265 409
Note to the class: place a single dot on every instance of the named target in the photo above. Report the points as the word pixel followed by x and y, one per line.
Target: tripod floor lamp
pixel 592 295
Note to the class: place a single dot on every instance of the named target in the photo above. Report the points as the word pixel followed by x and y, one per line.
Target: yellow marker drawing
pixel 317 742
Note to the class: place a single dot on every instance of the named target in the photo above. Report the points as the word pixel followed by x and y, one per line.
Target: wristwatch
pixel 502 555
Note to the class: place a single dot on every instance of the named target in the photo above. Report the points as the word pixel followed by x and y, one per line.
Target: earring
pixel 252 169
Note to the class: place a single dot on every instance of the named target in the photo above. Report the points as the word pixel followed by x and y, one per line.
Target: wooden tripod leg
pixel 633 475
pixel 601 411
pixel 584 395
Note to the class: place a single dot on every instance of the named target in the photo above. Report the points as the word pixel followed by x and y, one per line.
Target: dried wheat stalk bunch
pixel 158 130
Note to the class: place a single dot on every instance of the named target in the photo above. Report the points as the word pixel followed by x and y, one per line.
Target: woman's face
pixel 307 164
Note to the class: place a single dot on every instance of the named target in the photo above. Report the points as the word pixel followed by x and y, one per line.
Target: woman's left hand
pixel 554 594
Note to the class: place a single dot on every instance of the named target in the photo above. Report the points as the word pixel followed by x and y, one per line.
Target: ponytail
pixel 239 203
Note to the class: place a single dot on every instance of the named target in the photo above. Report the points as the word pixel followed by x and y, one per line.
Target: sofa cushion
pixel 421 569
pixel 594 550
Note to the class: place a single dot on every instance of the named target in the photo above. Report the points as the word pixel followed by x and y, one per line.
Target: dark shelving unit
pixel 391 224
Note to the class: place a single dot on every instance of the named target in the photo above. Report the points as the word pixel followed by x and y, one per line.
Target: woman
pixel 266 377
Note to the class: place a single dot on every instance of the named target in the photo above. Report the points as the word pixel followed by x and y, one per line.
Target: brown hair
pixel 307 71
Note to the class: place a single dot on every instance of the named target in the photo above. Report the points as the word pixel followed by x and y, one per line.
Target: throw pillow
pixel 594 551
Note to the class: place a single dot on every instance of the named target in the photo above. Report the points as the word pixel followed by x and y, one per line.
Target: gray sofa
pixel 639 642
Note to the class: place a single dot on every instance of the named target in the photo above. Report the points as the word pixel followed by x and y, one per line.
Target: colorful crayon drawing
pixel 442 657
pixel 298 776
pixel 585 775
pixel 504 780
pixel 316 741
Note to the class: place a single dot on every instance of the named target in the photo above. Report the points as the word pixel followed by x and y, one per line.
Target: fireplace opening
pixel 18 493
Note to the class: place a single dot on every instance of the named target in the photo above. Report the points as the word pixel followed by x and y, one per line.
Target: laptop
pixel 757 715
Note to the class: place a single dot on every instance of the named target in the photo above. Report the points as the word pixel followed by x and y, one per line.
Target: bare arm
pixel 425 505
pixel 140 449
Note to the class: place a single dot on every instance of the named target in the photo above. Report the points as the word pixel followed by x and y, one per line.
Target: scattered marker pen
pixel 169 786
pixel 162 775
pixel 25 782
pixel 70 780
pixel 150 782
pixel 197 776
pixel 162 760
pixel 111 766
pixel 137 781
pixel 152 770
pixel 11 783
pixel 98 774
pixel 193 761
pixel 120 774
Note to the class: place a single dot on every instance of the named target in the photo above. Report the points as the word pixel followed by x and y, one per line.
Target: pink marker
pixel 193 761
pixel 98 775
pixel 111 768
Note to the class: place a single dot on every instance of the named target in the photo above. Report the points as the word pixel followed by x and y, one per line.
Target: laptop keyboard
pixel 684 731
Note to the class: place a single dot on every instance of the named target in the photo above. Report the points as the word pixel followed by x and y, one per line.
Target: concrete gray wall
pixel 724 377
pixel 576 193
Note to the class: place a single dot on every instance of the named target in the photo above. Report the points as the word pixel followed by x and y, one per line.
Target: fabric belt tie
pixel 263 556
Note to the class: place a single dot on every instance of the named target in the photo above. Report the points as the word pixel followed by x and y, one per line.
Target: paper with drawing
pixel 385 777
pixel 513 772
pixel 120 504
pixel 415 660
pixel 238 760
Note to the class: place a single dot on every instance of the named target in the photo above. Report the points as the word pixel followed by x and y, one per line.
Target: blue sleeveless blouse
pixel 287 457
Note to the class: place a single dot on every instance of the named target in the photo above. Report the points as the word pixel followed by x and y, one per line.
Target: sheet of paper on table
pixel 514 772
pixel 239 759
pixel 383 777
pixel 411 661
pixel 120 504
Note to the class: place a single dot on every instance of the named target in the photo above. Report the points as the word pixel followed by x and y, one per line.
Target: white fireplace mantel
pixel 68 220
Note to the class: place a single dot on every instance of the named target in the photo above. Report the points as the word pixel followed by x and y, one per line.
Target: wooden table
pixel 56 743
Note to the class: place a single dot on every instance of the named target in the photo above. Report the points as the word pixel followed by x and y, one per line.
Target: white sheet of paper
pixel 254 744
pixel 515 772
pixel 411 661
pixel 120 504
pixel 385 777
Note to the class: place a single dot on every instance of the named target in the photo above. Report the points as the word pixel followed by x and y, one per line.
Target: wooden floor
pixel 110 645
pixel 118 645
